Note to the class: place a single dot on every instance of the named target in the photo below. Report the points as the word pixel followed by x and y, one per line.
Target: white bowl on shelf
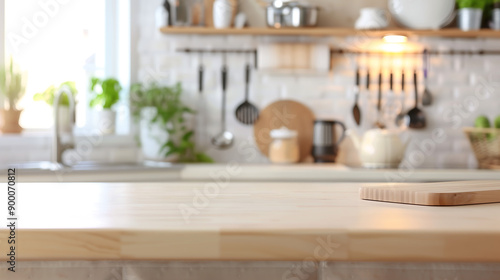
pixel 423 14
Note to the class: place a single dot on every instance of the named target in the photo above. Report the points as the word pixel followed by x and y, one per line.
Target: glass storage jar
pixel 284 147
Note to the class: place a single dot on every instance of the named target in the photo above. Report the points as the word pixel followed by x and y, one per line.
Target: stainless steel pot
pixel 291 14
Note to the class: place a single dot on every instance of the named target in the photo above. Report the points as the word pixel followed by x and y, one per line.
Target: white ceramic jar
pixel 222 13
pixel 285 146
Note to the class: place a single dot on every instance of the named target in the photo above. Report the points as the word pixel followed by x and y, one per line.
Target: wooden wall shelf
pixel 339 32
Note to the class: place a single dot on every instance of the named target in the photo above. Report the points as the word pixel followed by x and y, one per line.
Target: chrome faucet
pixel 59 147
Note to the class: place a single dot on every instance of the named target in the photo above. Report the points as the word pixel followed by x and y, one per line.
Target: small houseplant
pixel 12 87
pixel 470 13
pixel 64 113
pixel 164 133
pixel 106 93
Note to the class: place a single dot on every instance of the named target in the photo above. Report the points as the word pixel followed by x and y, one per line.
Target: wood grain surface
pixel 290 114
pixel 436 194
pixel 242 221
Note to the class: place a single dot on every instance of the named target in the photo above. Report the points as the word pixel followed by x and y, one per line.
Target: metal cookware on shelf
pixel 285 13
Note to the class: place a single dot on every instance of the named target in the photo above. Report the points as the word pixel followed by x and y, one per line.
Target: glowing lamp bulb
pixel 395 39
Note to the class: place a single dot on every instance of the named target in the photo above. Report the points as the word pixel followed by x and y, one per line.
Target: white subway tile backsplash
pixel 182 41
pixel 475 63
pixel 454 81
pixel 490 44
pixel 453 78
pixel 280 79
pixel 467 44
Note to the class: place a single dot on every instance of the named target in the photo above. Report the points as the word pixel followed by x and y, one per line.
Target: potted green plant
pixel 64 113
pixel 12 87
pixel 106 93
pixel 164 132
pixel 470 13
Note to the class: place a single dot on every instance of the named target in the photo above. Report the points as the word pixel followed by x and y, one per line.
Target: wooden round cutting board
pixel 290 114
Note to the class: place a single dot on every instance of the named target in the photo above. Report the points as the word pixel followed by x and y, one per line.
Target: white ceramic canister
pixel 222 13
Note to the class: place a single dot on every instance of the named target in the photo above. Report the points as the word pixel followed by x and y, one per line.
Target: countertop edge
pixel 260 245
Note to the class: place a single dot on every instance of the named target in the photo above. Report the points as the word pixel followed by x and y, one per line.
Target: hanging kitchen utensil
pixel 427 96
pixel 201 135
pixel 401 116
pixel 368 93
pixel 247 113
pixel 368 80
pixel 416 118
pixel 379 122
pixel 392 107
pixel 356 112
pixel 224 139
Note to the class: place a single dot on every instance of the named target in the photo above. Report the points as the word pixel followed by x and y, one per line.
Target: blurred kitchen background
pixel 75 40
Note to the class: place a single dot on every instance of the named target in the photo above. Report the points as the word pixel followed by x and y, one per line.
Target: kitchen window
pixel 67 40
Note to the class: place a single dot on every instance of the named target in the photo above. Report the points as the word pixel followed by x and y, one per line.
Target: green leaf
pixel 12 83
pixel 187 136
pixel 106 92
pixel 478 4
pixel 201 157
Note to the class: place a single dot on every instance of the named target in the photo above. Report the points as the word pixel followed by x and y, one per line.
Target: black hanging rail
pixel 222 51
pixel 430 52
pixel 189 50
pixel 345 51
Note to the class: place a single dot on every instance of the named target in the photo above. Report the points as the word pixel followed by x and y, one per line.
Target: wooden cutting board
pixel 290 114
pixel 435 194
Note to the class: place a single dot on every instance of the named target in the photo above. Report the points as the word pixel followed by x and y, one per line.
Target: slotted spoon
pixel 247 113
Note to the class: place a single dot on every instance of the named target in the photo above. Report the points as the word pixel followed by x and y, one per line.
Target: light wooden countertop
pixel 244 221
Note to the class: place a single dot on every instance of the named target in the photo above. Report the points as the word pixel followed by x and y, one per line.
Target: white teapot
pixel 380 148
